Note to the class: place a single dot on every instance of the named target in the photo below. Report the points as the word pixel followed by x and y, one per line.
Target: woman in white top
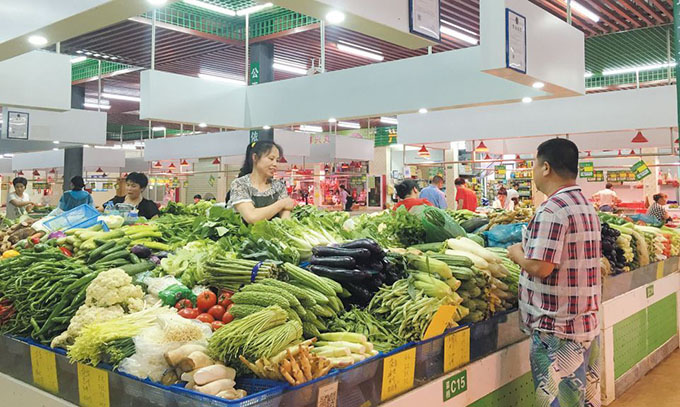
pixel 502 201
pixel 18 202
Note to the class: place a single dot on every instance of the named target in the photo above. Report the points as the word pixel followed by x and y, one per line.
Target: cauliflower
pixel 112 287
pixel 85 316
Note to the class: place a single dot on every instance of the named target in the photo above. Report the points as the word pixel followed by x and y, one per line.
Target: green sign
pixel 384 136
pixel 499 171
pixel 640 170
pixel 254 136
pixel 254 73
pixel 650 290
pixel 598 176
pixel 620 176
pixel 586 169
pixel 455 385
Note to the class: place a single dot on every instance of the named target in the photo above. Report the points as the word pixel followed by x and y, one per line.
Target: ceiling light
pixel 311 129
pixel 579 8
pixel 157 164
pixel 172 165
pixel 389 120
pixel 332 120
pixel 354 50
pixel 96 106
pixel 86 146
pixel 37 40
pixel 458 35
pixel 639 138
pixel 266 127
pixel 639 68
pixel 99 169
pixel 216 161
pixel 588 75
pixel 75 60
pixel 253 9
pixel 222 79
pixel 36 173
pixel 211 7
pixel 121 97
pixel 538 85
pixel 289 68
pixel 96 55
pixel 481 147
pixel 106 56
pixel 349 125
pixel 114 58
pixel 487 157
pixel 422 110
pixel 527 99
pixel 9 155
pixel 88 53
pixel 79 52
pixel 202 125
pixel 335 17
pixel 55 142
pixel 55 149
pixel 423 152
pixel 158 128
pixel 157 2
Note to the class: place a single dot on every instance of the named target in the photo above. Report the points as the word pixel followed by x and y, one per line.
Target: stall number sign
pixel 398 373
pixel 640 170
pixel 586 169
pixel 598 176
pixel 44 366
pixel 455 385
pixel 93 386
pixel 499 171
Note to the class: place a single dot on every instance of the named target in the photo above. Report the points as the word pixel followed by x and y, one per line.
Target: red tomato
pixel 215 325
pixel 227 318
pixel 206 300
pixel 205 317
pixel 189 313
pixel 229 306
pixel 225 299
pixel 217 311
pixel 185 303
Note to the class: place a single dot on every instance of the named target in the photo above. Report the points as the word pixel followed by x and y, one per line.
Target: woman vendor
pixel 255 194
pixel 135 183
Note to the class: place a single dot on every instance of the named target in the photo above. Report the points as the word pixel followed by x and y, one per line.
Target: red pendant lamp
pixel 327 167
pixel 588 153
pixel 53 171
pixel 295 168
pixel 99 169
pixel 283 160
pixel 217 161
pixel 36 173
pixel 169 171
pixel 158 164
pixel 632 152
pixel 423 152
pixel 639 138
pixel 517 157
pixel 183 162
pixel 481 148
pixel 488 157
pixel 619 152
pixel 345 166
pixel 172 165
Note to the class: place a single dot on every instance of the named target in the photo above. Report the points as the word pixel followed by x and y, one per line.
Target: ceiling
pixel 191 40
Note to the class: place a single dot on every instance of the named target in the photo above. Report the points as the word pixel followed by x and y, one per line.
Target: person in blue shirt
pixel 76 196
pixel 433 192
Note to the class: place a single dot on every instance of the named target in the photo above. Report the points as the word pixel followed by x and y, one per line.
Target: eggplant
pixel 141 251
pixel 339 274
pixel 359 254
pixel 360 295
pixel 344 262
pixel 369 244
pixel 376 265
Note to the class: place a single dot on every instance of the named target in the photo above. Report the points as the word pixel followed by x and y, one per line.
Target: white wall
pixel 71 126
pixel 38 79
pixel 231 143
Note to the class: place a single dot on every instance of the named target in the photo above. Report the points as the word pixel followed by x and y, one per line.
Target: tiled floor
pixel 657 389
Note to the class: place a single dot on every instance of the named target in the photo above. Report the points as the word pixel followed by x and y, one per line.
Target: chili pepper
pixel 66 251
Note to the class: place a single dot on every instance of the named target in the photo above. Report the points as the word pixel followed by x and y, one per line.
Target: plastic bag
pixel 650 220
pixel 504 235
pixel 439 225
pixel 174 293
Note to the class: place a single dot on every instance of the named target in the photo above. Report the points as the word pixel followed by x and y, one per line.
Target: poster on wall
pixel 17 125
pixel 499 171
pixel 515 41
pixel 424 18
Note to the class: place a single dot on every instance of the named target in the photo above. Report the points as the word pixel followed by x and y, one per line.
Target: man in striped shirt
pixel 559 288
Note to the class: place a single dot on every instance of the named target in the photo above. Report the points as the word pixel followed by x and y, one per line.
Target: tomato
pixel 225 299
pixel 206 300
pixel 227 318
pixel 185 303
pixel 217 311
pixel 215 325
pixel 189 313
pixel 205 317
pixel 229 306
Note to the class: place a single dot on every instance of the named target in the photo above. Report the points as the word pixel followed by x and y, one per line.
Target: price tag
pixel 328 395
pixel 659 270
pixel 398 373
pixel 456 349
pixel 440 321
pixel 44 366
pixel 455 385
pixel 93 386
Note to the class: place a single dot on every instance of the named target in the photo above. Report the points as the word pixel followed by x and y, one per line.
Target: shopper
pixel 502 201
pixel 346 199
pixel 407 191
pixel 255 194
pixel 433 192
pixel 76 196
pixel 465 197
pixel 606 199
pixel 18 202
pixel 657 210
pixel 197 198
pixel 559 287
pixel 135 183
pixel 513 194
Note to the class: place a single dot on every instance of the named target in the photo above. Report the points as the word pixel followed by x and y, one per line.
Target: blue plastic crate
pixel 82 216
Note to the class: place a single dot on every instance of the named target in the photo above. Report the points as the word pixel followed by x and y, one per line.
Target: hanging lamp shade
pixel 158 164
pixel 423 152
pixel 345 166
pixel 481 148
pixel 53 171
pixel 104 175
pixel 20 173
pixel 632 152
pixel 517 157
pixel 588 153
pixel 327 167
pixel 172 165
pixel 125 175
pixel 36 173
pixel 99 169
pixel 488 157
pixel 169 171
pixel 283 160
pixel 183 162
pixel 639 138
pixel 295 168
pixel 619 152
pixel 217 161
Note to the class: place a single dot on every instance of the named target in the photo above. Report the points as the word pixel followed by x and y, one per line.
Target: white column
pixel 450 175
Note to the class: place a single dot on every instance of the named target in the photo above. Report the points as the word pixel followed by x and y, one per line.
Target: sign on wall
pixel 424 18
pixel 640 170
pixel 598 176
pixel 586 169
pixel 254 73
pixel 515 41
pixel 17 125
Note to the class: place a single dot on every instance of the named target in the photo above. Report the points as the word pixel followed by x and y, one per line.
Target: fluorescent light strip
pixel 389 120
pixel 221 79
pixel 75 60
pixel 311 129
pixel 359 52
pixel 121 97
pixel 588 75
pixel 458 35
pixel 278 66
pixel 633 69
pixel 579 8
pixel 211 7
pixel 95 106
pixel 253 9
pixel 349 125
pixel 158 128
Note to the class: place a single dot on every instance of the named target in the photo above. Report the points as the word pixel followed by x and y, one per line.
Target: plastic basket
pixel 82 216
pixel 261 393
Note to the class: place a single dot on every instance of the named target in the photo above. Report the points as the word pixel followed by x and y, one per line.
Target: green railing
pixel 90 69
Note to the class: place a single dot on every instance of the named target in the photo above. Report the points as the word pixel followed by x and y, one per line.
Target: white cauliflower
pixel 113 287
pixel 85 316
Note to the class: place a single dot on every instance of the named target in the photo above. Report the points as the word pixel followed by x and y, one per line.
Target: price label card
pixel 328 395
pixel 455 385
pixel 398 373
pixel 44 366
pixel 456 349
pixel 659 270
pixel 440 321
pixel 93 386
